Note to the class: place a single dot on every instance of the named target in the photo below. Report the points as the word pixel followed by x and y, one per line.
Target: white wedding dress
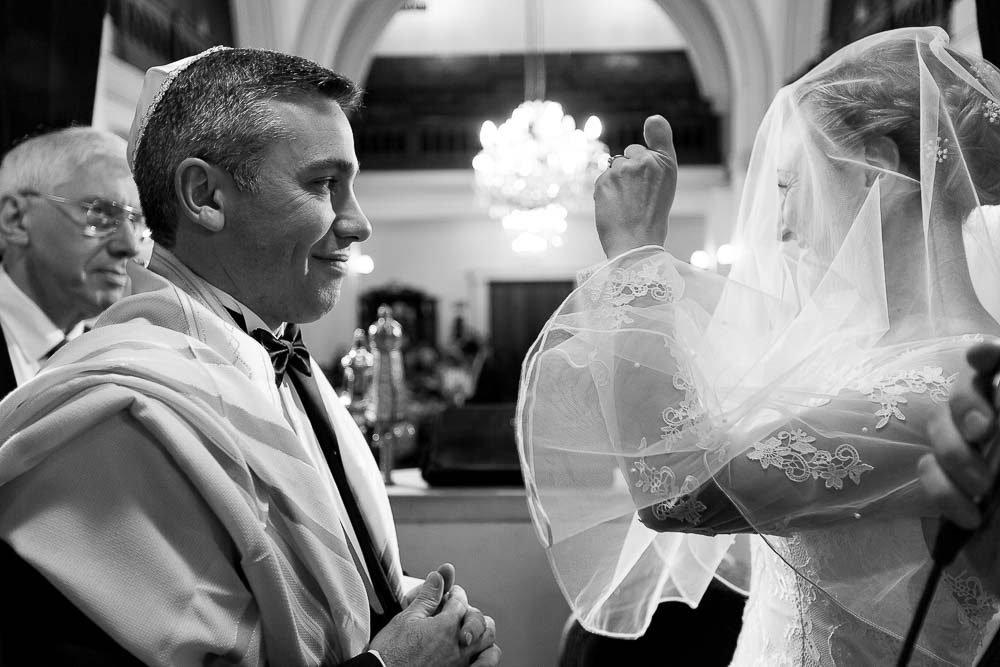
pixel 788 623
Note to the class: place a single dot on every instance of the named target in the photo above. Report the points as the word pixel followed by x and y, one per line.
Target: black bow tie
pixel 286 351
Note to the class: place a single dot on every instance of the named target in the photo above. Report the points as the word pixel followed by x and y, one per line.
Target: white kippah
pixel 154 86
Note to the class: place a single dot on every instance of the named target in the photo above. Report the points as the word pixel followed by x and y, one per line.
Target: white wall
pixel 449 27
pixel 117 89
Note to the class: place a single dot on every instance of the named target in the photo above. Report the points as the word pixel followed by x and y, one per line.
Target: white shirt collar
pixel 30 328
pixel 253 321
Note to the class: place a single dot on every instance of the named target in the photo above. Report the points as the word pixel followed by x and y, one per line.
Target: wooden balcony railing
pixel 452 143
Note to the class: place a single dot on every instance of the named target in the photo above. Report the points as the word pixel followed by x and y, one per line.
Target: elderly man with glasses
pixel 69 223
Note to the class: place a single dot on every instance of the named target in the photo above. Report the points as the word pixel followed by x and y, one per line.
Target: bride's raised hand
pixel 633 197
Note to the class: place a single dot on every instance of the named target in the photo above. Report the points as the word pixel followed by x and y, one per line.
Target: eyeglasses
pixel 103 216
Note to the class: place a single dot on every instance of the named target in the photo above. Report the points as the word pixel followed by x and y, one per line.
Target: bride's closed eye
pixel 786 180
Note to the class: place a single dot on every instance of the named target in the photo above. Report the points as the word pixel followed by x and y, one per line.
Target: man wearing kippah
pixel 70 222
pixel 183 476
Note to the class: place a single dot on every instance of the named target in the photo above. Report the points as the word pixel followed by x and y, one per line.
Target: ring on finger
pixel 611 159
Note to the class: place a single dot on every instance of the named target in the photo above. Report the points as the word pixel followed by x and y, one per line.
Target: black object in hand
pixel 952 537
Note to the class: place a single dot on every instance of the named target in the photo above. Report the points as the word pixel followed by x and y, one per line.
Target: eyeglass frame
pixel 134 216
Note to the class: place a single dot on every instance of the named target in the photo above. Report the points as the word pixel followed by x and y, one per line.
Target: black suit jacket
pixel 8 382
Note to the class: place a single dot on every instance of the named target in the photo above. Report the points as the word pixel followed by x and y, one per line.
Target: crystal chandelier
pixel 531 169
pixel 536 164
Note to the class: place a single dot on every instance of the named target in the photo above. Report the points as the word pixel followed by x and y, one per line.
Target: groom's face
pixel 294 234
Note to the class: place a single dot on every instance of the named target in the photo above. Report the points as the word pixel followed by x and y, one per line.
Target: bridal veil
pixel 665 411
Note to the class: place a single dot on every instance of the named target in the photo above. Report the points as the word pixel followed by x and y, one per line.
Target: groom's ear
pixel 883 154
pixel 199 188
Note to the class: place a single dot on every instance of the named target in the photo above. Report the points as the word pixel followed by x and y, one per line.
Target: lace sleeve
pixel 849 456
pixel 699 446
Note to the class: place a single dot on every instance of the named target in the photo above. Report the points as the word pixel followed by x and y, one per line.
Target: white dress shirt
pixel 29 332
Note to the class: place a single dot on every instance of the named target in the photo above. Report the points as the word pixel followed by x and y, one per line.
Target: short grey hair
pixel 216 110
pixel 45 159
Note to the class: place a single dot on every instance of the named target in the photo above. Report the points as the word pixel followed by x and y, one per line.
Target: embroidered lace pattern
pixel 614 295
pixel 678 502
pixel 797 646
pixel 793 452
pixel 878 646
pixel 816 632
pixel 818 555
pixel 888 391
pixel 976 604
pixel 688 417
pixel 800 634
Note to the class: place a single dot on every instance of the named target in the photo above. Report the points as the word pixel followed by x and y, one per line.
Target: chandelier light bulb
pixel 701 259
pixel 488 134
pixel 532 166
pixel 726 254
pixel 592 128
pixel 482 162
pixel 361 264
pixel 549 125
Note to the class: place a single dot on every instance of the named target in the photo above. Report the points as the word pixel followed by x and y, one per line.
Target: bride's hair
pixel 878 94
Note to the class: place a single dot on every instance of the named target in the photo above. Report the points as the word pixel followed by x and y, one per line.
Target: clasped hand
pixel 633 197
pixel 438 628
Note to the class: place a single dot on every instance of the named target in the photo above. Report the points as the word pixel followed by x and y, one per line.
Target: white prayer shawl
pixel 203 391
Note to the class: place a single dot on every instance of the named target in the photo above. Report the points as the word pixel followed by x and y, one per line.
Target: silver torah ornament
pixel 386 391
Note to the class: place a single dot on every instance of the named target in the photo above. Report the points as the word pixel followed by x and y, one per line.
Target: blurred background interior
pixel 482 215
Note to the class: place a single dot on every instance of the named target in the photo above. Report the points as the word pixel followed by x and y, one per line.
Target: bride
pixel 675 425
